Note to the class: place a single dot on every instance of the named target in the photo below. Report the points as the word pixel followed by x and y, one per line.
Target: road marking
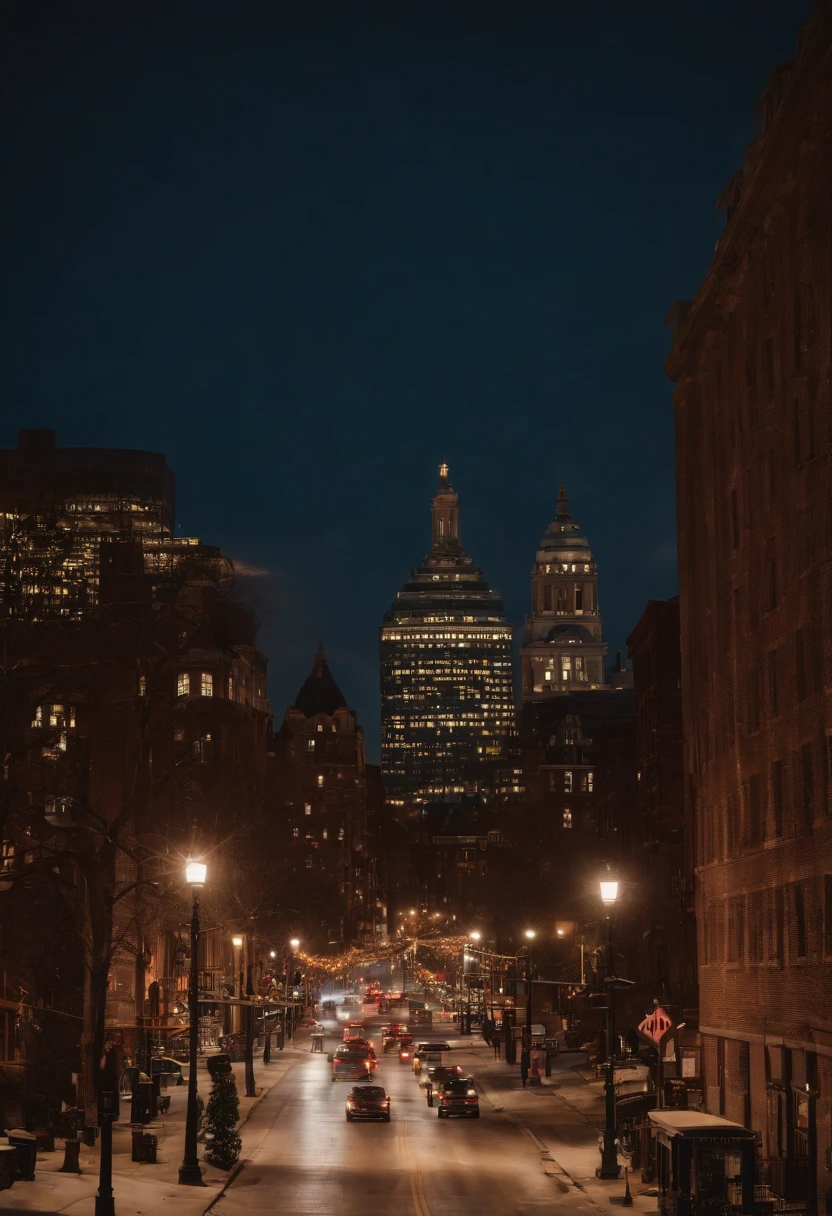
pixel 417 1188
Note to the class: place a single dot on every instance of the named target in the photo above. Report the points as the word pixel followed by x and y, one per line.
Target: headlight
pixel 472 1093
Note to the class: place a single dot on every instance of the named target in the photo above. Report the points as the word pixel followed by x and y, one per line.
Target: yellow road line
pixel 417 1188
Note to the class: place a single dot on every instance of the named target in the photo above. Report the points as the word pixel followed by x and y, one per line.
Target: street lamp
pixel 189 1172
pixel 529 935
pixel 294 945
pixel 609 1167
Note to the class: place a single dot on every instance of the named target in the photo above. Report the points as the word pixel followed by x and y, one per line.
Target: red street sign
pixel 656 1025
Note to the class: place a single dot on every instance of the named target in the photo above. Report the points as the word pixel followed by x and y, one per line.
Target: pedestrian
pixel 525 1061
pixel 496 1046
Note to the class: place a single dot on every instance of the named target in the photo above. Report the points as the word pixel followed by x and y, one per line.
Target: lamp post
pixel 294 946
pixel 189 1172
pixel 609 1167
pixel 530 936
pixel 465 992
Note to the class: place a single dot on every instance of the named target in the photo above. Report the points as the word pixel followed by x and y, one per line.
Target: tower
pixel 563 647
pixel 447 704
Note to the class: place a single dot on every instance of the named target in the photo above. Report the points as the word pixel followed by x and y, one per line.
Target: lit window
pixel 183 684
pixel 179 734
pixel 307 808
pixel 567 817
pixel 207 684
pixel 320 726
pixel 231 688
pixel 38 718
pixel 320 780
pixel 142 686
pixel 340 833
pixel 547 675
pixel 310 745
pixel 325 833
pixel 296 831
pixel 567 781
pixel 587 782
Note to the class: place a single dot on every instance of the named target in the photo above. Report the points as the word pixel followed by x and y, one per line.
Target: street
pixel 301 1155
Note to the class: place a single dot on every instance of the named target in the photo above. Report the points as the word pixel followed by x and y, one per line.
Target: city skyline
pixel 489 288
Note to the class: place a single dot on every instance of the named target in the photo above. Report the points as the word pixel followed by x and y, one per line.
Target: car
pixel 353 1030
pixel 359 1042
pixel 353 1063
pixel 457 1097
pixel 165 1067
pixel 436 1074
pixel 405 1050
pixel 426 1045
pixel 368 1102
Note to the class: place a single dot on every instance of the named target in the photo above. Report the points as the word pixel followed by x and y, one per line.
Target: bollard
pixel 71 1163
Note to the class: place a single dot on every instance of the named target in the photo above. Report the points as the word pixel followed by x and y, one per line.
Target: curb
pixel 240 1166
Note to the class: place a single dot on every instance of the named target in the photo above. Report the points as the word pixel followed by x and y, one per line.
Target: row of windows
pixel 567 601
pixel 571 782
pixel 771 806
pixel 777 925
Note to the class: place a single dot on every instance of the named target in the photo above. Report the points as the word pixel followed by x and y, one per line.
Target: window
pixel 799 921
pixel 179 735
pixel 183 684
pixel 755 823
pixel 567 817
pixel 320 727
pixel 736 929
pixel 567 781
pixel 307 808
pixel 547 598
pixel 320 781
pixel 340 833
pixel 799 665
pixel 773 688
pixel 207 684
pixel 310 745
pixel 142 686
pixel 587 780
pixel 777 797
pixel 579 600
pixel 324 833
pixel 755 927
pixel 775 926
pixel 808 784
pixel 733 817
pixel 562 606
pixel 231 688
pixel 296 831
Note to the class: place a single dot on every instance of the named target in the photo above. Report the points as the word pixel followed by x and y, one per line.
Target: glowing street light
pixel 189 1172
pixel 237 941
pixel 609 891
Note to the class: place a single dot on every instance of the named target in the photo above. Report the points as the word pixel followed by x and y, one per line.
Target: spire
pixel 444 515
pixel 563 514
pixel 320 694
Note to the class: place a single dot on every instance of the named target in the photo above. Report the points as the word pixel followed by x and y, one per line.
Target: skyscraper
pixel 563 648
pixel 447 704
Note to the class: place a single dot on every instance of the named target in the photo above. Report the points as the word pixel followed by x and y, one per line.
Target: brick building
pixel 661 844
pixel 751 362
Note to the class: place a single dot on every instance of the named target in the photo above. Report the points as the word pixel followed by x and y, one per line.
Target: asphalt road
pixel 302 1156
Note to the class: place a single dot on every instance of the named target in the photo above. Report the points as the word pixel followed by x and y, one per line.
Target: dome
pixel 569 633
pixel 563 535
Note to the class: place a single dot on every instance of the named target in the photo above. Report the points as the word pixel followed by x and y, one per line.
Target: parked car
pixel 165 1067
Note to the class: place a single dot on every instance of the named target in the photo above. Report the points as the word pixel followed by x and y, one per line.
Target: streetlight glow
pixel 237 941
pixel 560 932
pixel 530 933
pixel 272 954
pixel 294 943
pixel 195 872
pixel 475 936
pixel 609 891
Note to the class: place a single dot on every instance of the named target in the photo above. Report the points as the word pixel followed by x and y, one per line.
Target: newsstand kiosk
pixel 704 1164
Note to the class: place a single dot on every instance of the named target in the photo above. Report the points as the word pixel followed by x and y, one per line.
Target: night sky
pixel 309 250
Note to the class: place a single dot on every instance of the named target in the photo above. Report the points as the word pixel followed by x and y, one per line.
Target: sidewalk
pixel 145 1189
pixel 563 1116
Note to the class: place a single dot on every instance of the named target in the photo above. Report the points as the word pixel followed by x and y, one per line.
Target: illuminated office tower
pixel 447 703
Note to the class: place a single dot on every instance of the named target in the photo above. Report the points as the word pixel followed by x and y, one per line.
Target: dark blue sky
pixel 309 250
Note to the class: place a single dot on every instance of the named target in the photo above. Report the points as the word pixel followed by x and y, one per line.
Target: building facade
pixel 328 803
pixel 563 646
pixel 751 362
pixel 447 703
pixel 662 838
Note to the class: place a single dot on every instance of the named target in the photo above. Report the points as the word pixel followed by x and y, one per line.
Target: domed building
pixel 563 648
pixel 447 704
